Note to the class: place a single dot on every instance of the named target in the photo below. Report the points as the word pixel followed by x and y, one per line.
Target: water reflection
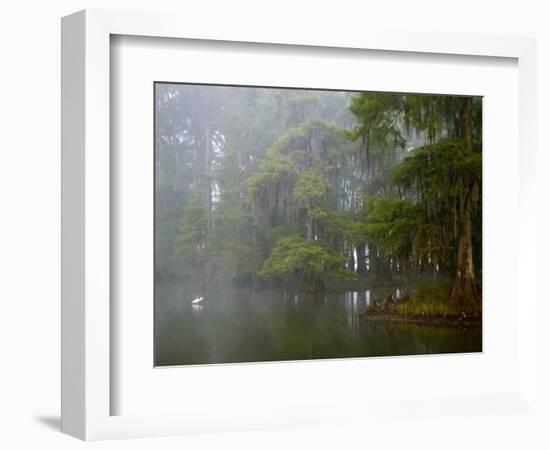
pixel 242 325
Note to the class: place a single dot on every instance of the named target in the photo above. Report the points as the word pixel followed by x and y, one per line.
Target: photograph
pixel 297 224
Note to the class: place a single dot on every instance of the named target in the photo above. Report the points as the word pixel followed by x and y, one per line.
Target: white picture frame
pixel 87 386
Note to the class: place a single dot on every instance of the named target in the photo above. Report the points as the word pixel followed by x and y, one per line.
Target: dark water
pixel 241 326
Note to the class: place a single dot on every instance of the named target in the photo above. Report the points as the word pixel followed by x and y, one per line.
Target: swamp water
pixel 233 325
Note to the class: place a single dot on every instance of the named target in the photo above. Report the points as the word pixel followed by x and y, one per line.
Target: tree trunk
pixel 208 167
pixel 361 259
pixel 383 274
pixel 464 283
pixel 310 230
pixel 312 285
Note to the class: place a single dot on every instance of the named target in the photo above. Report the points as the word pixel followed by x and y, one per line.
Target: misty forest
pixel 307 224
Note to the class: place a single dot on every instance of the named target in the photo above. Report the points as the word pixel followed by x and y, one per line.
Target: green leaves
pixel 432 179
pixel 439 167
pixel 294 255
pixel 377 116
pixel 310 189
pixel 393 223
pixel 296 177
pixel 191 240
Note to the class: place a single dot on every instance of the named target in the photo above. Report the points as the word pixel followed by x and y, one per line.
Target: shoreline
pixel 443 321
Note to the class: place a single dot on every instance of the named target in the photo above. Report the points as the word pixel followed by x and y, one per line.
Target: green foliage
pixel 191 240
pixel 310 190
pixel 379 130
pixel 377 118
pixel 295 256
pixel 234 249
pixel 434 299
pixel 339 224
pixel 393 223
pixel 167 264
pixel 237 260
pixel 445 168
pixel 276 168
pixel 426 114
pixel 295 183
pixel 440 178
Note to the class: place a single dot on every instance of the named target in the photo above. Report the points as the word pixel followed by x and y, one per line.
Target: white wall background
pixel 30 222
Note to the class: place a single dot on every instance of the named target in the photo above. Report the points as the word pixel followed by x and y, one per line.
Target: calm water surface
pixel 236 325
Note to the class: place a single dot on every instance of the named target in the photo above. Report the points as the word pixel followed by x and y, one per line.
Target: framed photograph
pixel 286 217
pixel 251 219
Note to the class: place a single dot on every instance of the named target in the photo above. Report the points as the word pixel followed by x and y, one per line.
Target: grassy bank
pixel 429 303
